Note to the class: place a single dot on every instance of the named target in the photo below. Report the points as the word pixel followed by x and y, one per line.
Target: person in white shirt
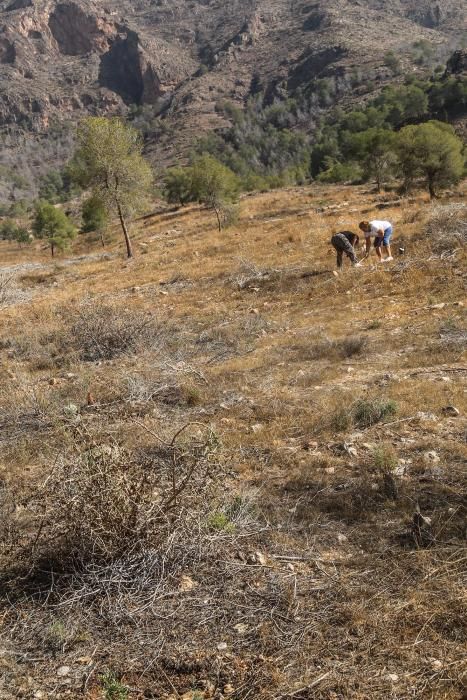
pixel 381 231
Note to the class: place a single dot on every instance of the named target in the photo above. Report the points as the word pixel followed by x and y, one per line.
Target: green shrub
pixel 340 172
pixel 392 62
pixel 113 688
pixel 366 413
pixel 385 459
pixel 220 521
pixel 10 231
pixel 178 186
pixel 341 420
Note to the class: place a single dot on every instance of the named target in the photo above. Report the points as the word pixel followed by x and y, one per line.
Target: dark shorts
pixel 386 240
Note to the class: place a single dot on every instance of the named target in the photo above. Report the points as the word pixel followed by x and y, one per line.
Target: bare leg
pixel 339 259
pixel 387 250
pixel 378 251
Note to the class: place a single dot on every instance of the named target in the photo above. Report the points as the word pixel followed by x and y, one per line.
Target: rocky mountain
pixel 62 59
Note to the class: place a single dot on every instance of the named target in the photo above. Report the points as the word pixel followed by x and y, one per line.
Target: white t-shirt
pixel 377 226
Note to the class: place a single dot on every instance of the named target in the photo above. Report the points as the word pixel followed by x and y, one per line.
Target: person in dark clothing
pixel 345 242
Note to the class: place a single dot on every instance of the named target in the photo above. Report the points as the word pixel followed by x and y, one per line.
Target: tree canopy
pixel 53 224
pixel 432 151
pixel 109 160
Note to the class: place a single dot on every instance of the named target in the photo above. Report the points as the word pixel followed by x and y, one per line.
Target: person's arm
pixel 368 246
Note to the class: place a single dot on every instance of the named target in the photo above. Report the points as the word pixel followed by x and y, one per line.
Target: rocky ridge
pixel 60 60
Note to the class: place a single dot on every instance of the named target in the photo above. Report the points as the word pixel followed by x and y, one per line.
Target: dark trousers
pixel 343 245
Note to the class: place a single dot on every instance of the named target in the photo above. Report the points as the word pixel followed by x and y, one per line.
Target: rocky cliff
pixel 60 60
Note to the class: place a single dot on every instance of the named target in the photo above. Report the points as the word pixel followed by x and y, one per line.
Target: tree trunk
pixel 52 249
pixel 129 249
pixel 431 189
pixel 101 234
pixel 218 219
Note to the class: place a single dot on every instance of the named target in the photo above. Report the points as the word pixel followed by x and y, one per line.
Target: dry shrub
pixel 100 331
pixel 446 229
pixel 146 390
pixel 248 275
pixel 342 349
pixel 102 501
pixel 93 331
pixel 339 349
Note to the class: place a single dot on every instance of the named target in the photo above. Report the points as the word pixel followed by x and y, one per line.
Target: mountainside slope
pixel 319 553
pixel 60 60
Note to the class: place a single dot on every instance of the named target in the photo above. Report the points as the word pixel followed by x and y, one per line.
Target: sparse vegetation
pixel 209 469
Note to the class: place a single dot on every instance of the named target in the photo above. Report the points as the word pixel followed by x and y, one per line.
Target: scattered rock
pixel 421 415
pixel 63 671
pixel 342 539
pixel 309 445
pixel 432 457
pixel 393 677
pixel 261 558
pixel 400 470
pixel 39 694
pixel 85 660
pixel 186 584
pixel 71 408
pixel 222 646
pixel 436 664
pixel 254 311
pixel 257 428
pixel 53 381
pixel 421 530
pixel 241 628
pixel 451 411
pixel 291 567
pixel 437 306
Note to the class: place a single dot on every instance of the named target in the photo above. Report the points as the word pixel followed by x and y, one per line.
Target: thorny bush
pixel 102 501
pixel 100 331
pixel 446 229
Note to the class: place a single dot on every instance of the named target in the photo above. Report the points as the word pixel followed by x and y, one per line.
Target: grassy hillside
pixel 226 472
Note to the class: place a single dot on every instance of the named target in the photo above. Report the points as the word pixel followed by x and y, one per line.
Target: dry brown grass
pixel 300 551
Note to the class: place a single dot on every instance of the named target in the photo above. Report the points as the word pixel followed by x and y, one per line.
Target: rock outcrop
pixel 63 59
pixel 126 70
pixel 76 32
